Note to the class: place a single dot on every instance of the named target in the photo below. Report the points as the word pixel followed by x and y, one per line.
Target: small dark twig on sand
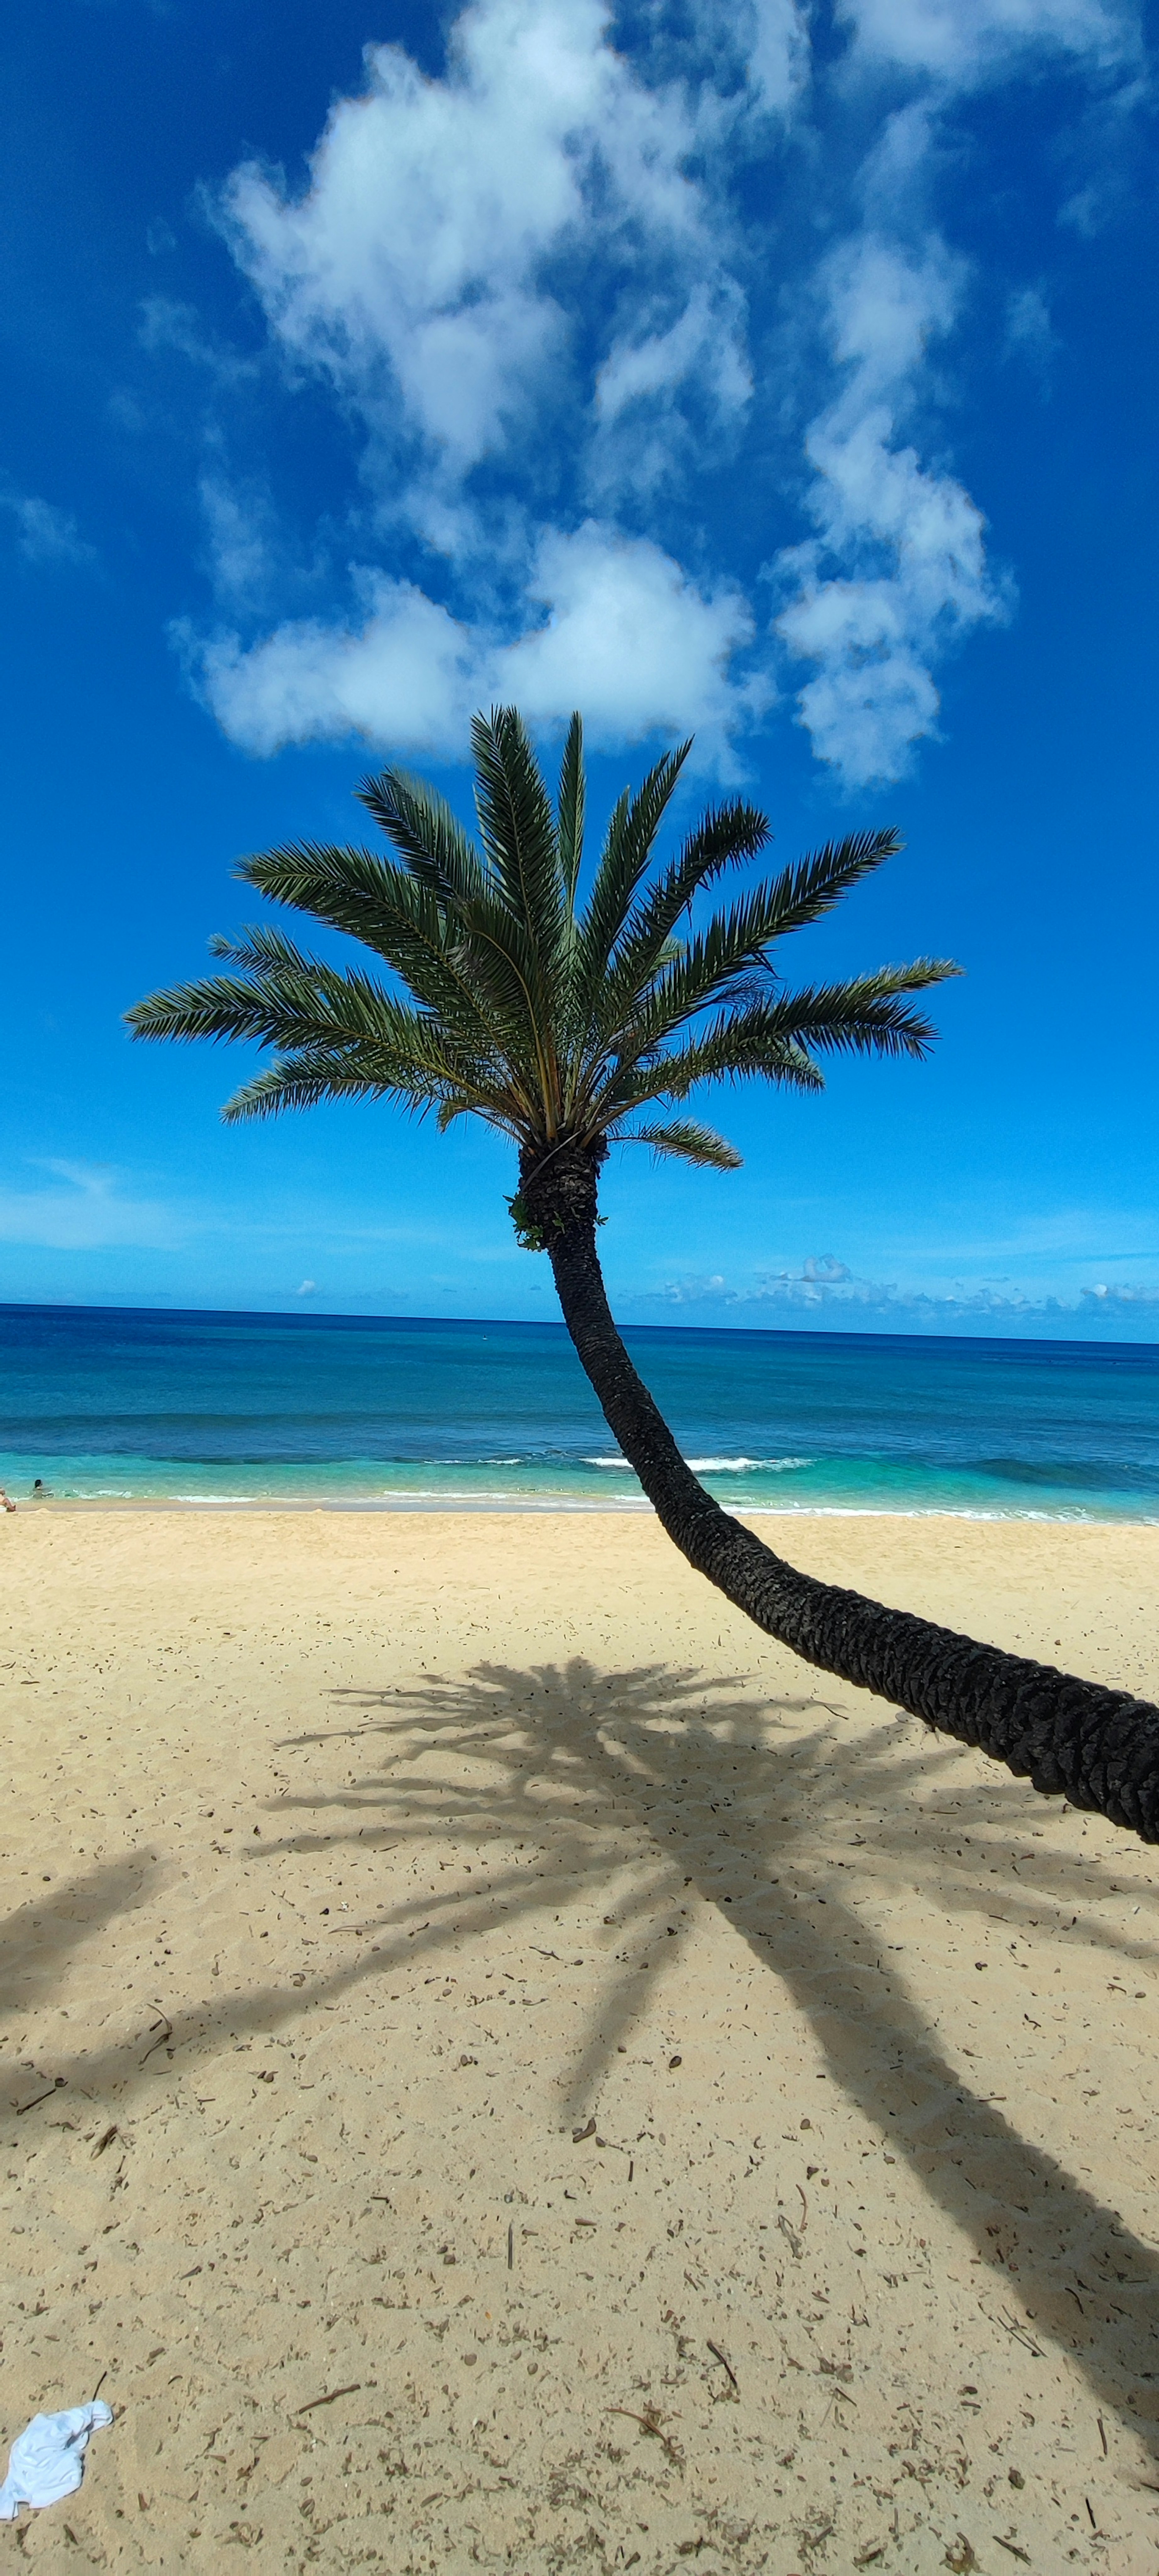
pixel 21 2107
pixel 651 2424
pixel 164 2030
pixel 328 2400
pixel 1019 2333
pixel 725 2364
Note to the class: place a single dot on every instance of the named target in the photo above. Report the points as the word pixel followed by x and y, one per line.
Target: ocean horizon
pixel 218 1408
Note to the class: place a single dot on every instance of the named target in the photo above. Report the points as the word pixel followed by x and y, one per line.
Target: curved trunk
pixel 1097 1747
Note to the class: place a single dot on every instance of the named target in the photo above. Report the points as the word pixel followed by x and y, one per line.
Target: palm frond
pixel 282 997
pixel 518 828
pixel 724 957
pixel 428 836
pixel 803 893
pixel 570 810
pixel 624 862
pixel 450 969
pixel 308 1074
pixel 865 1015
pixel 776 1040
pixel 686 1141
pixel 731 1050
pixel 725 838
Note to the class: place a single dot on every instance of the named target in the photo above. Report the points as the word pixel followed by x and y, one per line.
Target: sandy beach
pixel 503 2068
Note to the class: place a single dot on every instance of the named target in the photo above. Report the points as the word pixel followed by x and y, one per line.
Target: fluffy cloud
pixel 528 283
pixel 415 269
pixel 403 676
pixel 625 632
pixel 913 540
pixel 760 44
pixel 960 41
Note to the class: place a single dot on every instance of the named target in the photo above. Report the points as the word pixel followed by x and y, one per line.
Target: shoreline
pixel 458 1508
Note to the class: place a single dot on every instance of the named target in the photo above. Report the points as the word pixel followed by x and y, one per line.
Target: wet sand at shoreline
pixel 354 1863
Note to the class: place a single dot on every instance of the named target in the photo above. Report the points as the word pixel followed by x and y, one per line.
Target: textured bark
pixel 1097 1747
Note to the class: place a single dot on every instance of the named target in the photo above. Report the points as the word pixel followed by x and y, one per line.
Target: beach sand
pixel 537 2079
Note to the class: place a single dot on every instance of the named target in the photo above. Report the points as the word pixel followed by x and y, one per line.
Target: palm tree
pixel 566 1026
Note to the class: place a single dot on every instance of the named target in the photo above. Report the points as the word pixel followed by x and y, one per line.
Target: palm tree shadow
pixel 569 1785
pixel 39 1939
pixel 571 1755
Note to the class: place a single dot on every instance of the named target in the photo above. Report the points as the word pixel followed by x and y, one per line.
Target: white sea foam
pixel 718 1466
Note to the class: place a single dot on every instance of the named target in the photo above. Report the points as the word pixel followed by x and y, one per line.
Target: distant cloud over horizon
pixel 824 1292
pixel 533 288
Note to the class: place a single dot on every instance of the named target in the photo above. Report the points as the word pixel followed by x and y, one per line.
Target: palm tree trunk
pixel 1097 1747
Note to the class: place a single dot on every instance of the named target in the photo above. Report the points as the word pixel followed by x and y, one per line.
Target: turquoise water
pixel 216 1408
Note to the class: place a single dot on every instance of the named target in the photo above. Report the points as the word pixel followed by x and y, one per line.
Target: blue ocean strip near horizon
pixel 120 1404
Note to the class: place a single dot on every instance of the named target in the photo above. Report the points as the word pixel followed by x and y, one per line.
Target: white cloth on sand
pixel 47 2460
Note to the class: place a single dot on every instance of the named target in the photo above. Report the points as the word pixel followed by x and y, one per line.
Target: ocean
pixel 396 1412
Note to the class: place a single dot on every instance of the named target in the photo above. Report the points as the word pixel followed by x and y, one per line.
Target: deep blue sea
pixel 217 1408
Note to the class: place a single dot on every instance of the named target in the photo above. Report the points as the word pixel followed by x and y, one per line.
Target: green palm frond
pixel 866 1015
pixel 457 968
pixel 776 1040
pixel 733 948
pixel 570 811
pixel 624 862
pixel 802 894
pixel 726 838
pixel 308 1074
pixel 685 1140
pixel 730 1050
pixel 518 829
pixel 428 836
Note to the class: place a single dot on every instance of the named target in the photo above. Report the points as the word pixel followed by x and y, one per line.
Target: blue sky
pixel 790 379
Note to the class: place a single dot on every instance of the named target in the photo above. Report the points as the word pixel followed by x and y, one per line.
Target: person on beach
pixel 6 1500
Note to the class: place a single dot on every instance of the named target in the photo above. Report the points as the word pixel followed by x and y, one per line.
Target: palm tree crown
pixel 556 1021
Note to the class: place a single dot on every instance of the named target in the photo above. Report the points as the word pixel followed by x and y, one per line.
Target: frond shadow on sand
pixel 558 1768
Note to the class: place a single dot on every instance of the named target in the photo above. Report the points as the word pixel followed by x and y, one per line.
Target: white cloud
pixel 762 43
pixel 414 266
pixel 45 535
pixel 527 281
pixel 405 676
pixel 422 270
pixel 707 335
pixel 625 633
pixel 957 42
pixel 777 51
pixel 912 539
pixel 826 1293
pixel 629 637
pixel 168 325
